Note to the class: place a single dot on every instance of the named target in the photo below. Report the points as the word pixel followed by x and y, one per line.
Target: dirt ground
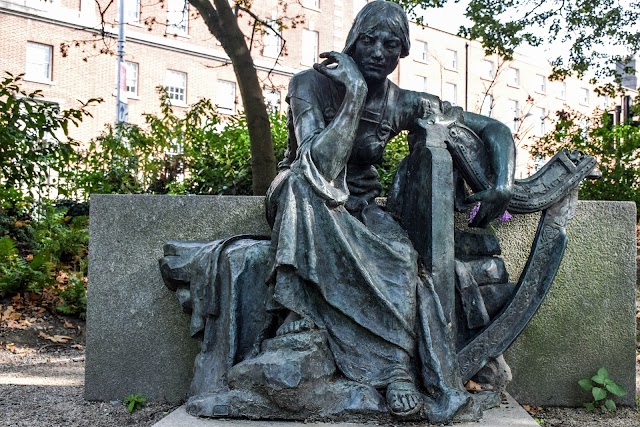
pixel 42 374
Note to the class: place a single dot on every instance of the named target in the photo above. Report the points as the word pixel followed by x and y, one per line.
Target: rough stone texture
pixel 509 414
pixel 138 341
pixel 587 321
pixel 137 335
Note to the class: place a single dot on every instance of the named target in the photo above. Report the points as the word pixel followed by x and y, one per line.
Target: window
pixel 226 96
pixel 132 78
pixel 272 40
pixel 272 99
pixel 422 49
pixel 584 96
pixel 131 11
pixel 177 17
pixel 420 84
pixel 541 85
pixel 450 93
pixel 486 106
pixel 487 70
pixel 541 115
pixel 515 115
pixel 562 90
pixel 313 4
pixel 39 62
pixel 309 47
pixel 604 102
pixel 451 61
pixel 513 77
pixel 176 85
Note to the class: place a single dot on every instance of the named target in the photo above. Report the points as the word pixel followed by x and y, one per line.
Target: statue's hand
pixel 493 203
pixel 341 68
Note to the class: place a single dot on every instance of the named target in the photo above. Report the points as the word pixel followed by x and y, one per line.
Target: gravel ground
pixel 45 389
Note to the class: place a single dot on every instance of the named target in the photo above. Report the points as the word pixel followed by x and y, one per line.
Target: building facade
pixel 66 49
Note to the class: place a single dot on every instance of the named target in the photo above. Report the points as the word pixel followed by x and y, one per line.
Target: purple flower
pixel 506 216
pixel 474 211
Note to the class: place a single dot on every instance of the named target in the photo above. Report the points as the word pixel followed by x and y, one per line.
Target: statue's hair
pixel 374 13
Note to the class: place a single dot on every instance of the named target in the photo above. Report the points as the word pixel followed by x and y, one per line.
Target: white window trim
pixel 422 52
pixel 303 60
pixel 492 73
pixel 173 28
pixel 39 79
pixel 136 16
pixel 223 108
pixel 133 95
pixel 517 74
pixel 304 4
pixel 276 36
pixel 453 66
pixel 542 84
pixel 174 101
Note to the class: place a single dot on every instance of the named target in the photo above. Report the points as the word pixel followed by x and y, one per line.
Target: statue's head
pixel 380 14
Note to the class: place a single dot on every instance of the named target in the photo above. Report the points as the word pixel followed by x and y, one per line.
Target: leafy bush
pixel 49 259
pixel 616 147
pixel 200 153
pixel 34 139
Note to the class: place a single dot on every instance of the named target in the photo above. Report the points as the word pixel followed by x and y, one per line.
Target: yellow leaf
pixel 62 339
pixel 473 386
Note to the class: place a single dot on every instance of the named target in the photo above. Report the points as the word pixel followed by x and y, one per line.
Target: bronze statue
pixel 342 306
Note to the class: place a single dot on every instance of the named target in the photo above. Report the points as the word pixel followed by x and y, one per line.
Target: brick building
pixel 59 46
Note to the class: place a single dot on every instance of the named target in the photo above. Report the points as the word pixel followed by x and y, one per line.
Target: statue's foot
pixel 294 326
pixel 455 405
pixel 403 398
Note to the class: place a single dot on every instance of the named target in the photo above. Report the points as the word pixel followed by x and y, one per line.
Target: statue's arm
pixel 331 146
pixel 502 157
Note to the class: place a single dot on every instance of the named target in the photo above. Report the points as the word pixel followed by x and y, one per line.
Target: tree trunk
pixel 223 24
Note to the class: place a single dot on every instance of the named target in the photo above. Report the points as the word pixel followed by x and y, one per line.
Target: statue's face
pixel 377 53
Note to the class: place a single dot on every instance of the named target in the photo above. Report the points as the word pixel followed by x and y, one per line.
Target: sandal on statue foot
pixel 403 399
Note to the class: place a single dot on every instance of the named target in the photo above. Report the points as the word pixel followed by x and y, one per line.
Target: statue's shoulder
pixel 309 80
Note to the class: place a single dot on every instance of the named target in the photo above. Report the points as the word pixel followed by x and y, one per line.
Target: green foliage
pixel 34 139
pixel 134 402
pixel 198 153
pixel 46 252
pixel 396 150
pixel 616 147
pixel 602 389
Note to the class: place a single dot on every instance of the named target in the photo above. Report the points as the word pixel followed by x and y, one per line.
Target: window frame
pixel 223 108
pixel 454 86
pixel 305 34
pixel 515 73
pixel 452 62
pixel 181 26
pixel 424 52
pixel 129 65
pixel 130 12
pixel 543 82
pixel 30 64
pixel 173 94
pixel 267 49
pixel 492 70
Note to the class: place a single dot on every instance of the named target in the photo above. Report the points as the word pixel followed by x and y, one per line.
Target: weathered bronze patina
pixel 354 310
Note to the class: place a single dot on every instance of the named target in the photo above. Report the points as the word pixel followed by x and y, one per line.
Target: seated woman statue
pixel 343 264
